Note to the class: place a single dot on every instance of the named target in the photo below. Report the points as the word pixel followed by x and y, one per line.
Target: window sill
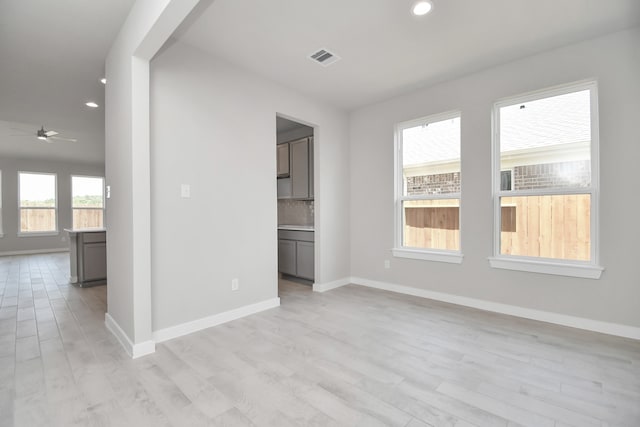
pixel 426 255
pixel 548 267
pixel 38 234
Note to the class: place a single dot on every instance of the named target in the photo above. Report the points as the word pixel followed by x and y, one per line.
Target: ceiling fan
pixel 51 135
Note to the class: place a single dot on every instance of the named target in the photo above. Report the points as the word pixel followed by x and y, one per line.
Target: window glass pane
pixel 431 158
pixel 32 220
pixel 550 226
pixel 431 224
pixel 546 143
pixel 87 191
pixel 37 190
pixel 87 218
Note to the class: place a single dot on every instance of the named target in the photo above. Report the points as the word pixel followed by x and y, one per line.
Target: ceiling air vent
pixel 324 57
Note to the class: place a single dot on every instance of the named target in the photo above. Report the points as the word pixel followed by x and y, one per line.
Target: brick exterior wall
pixel 556 175
pixel 442 183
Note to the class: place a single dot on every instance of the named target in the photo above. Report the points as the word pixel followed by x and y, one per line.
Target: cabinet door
pixel 283 160
pixel 95 261
pixel 287 257
pixel 284 188
pixel 305 260
pixel 299 169
pixel 311 168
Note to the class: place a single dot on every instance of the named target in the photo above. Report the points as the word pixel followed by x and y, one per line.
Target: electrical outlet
pixel 235 284
pixel 387 264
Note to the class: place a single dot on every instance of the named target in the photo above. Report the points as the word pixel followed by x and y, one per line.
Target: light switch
pixel 185 191
pixel 108 191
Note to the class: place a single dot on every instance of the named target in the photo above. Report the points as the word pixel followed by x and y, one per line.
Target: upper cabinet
pixel 299 183
pixel 283 160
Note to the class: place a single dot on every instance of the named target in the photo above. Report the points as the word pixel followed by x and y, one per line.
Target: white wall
pixel 10 216
pixel 615 62
pixel 148 26
pixel 214 127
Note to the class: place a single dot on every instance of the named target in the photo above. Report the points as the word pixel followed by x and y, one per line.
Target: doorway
pixel 296 205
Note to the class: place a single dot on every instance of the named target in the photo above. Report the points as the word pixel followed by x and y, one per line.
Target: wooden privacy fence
pixel 32 220
pixel 539 226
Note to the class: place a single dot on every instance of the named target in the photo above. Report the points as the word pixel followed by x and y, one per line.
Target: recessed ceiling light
pixel 103 81
pixel 91 104
pixel 421 8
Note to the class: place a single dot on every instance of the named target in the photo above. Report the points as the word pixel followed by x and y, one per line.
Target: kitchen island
pixel 88 252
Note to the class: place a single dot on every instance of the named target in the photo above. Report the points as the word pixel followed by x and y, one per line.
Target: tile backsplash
pixel 295 212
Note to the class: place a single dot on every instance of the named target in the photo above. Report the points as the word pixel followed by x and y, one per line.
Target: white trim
pixel 590 269
pixel 133 350
pixel 171 332
pixel 439 256
pixel 586 271
pixel 104 203
pixel 55 208
pixel 324 287
pixel 73 279
pixel 38 233
pixel 399 194
pixel 34 251
pixel 616 329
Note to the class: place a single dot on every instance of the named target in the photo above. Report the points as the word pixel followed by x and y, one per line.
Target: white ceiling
pixel 386 51
pixel 52 57
pixel 52 52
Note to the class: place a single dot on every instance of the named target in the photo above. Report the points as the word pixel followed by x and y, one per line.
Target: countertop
pixel 296 227
pixel 85 230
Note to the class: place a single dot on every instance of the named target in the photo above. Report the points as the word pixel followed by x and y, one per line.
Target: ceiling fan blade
pixel 59 138
pixel 51 133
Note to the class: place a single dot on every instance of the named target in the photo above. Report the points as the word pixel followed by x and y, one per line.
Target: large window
pixel 428 188
pixel 545 182
pixel 87 201
pixel 38 205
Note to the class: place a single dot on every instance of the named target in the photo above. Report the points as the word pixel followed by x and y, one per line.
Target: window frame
pixel 427 254
pixel 55 208
pixel 563 267
pixel 104 202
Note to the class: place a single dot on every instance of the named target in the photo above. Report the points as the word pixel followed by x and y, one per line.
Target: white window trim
pixel 583 269
pixel 426 254
pixel 55 208
pixel 37 233
pixel 104 202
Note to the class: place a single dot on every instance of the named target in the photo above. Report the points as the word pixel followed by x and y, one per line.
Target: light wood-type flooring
pixel 349 357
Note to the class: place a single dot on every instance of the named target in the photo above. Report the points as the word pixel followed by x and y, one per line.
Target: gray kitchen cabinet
pixel 304 260
pixel 284 188
pixel 95 267
pixel 298 182
pixel 287 256
pixel 88 257
pixel 296 253
pixel 311 169
pixel 299 168
pixel 283 160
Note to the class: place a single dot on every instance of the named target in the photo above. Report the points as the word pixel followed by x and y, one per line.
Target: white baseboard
pixel 616 329
pixel 324 287
pixel 133 350
pixel 34 252
pixel 217 319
